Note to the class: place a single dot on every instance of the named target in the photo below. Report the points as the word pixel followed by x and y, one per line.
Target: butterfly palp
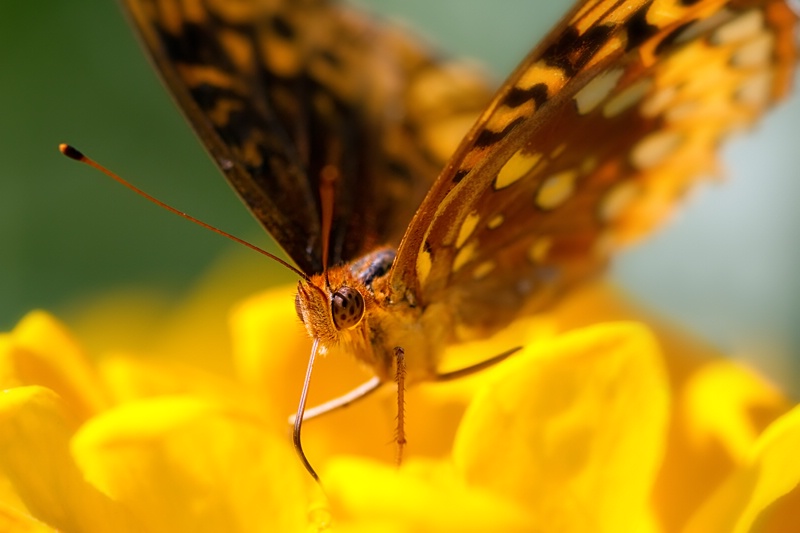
pixel 347 307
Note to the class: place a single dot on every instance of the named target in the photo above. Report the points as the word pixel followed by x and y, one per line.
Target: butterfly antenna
pixel 77 155
pixel 329 175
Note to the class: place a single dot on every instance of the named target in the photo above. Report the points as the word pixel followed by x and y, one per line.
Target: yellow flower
pixel 606 427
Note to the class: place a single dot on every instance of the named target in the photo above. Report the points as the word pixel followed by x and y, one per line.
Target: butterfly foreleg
pixel 477 367
pixel 362 391
pixel 400 379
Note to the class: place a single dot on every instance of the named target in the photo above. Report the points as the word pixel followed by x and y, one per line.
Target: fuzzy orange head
pixel 330 306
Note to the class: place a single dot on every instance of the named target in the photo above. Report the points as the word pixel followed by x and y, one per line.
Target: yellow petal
pixel 721 403
pixel 720 409
pixel 41 352
pixel 574 430
pixel 184 464
pixel 701 450
pixel 191 330
pixel 34 435
pixel 131 378
pixel 271 349
pixel 14 521
pixel 421 496
pixel 755 497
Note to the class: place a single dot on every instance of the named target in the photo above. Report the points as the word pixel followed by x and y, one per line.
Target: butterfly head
pixel 329 308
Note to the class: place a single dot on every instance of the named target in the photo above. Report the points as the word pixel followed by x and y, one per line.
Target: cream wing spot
pixel 654 148
pixel 659 101
pixel 617 199
pixel 556 190
pixel 755 53
pixel 516 168
pixel 744 27
pixel 467 227
pixel 702 25
pixel 684 111
pixel 756 90
pixel 594 92
pixel 627 98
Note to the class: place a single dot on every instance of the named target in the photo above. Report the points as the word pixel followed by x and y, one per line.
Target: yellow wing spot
pixel 195 75
pixel 221 113
pixel 251 151
pixel 516 168
pixel 594 92
pixel 171 18
pixel 467 227
pixel 553 77
pixel 627 98
pixel 464 256
pixel 556 190
pixel 482 270
pixel 239 50
pixel 617 199
pixel 496 221
pixel 613 45
pixel 538 251
pixel 654 148
pixel 755 53
pixel 282 57
pixel 423 265
pixel 756 90
pixel 504 115
pixel 558 150
pixel 744 27
pixel 588 165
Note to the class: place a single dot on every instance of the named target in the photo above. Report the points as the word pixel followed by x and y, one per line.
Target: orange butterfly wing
pixel 589 144
pixel 279 91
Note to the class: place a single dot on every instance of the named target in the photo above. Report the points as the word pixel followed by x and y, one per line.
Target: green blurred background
pixel 72 72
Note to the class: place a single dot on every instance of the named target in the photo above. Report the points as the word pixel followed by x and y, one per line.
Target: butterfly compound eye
pixel 347 307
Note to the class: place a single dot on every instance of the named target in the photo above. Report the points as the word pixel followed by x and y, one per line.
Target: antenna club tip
pixel 70 151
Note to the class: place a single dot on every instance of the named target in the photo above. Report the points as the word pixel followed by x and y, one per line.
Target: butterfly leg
pixel 362 391
pixel 462 372
pixel 400 379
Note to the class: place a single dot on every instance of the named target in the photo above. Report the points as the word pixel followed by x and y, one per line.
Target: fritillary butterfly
pixel 424 211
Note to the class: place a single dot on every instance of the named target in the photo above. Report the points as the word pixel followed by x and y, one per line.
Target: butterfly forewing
pixel 589 144
pixel 281 91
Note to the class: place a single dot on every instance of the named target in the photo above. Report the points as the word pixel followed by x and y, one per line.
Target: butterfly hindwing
pixel 280 91
pixel 590 143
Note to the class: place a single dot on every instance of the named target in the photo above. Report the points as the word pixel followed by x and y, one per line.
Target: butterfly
pixel 420 208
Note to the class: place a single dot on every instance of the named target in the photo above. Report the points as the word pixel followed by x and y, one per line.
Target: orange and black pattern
pixel 278 91
pixel 589 144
